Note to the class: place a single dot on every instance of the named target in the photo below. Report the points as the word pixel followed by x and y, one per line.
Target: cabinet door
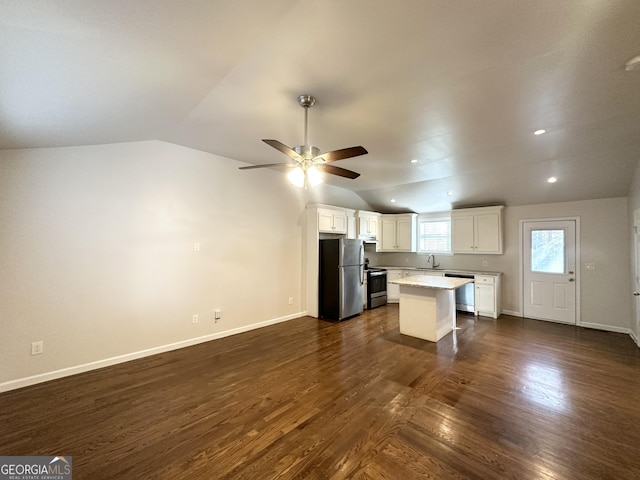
pixel 351 228
pixel 485 295
pixel 339 222
pixel 404 231
pixel 325 221
pixel 487 233
pixel 373 226
pixel 485 300
pixel 393 290
pixel 462 240
pixel 388 235
pixel 363 226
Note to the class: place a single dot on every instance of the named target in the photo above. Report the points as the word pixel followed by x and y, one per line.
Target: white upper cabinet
pixel 398 233
pixel 368 225
pixel 332 221
pixel 477 230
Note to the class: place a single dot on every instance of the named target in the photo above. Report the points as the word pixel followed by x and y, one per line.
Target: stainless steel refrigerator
pixel 341 278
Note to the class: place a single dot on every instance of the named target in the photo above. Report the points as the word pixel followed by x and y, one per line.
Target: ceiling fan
pixel 309 162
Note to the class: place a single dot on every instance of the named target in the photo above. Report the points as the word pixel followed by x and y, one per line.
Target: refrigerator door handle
pixel 361 264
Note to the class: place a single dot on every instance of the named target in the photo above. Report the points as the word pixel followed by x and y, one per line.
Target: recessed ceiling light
pixel 540 131
pixel 414 161
pixel 393 200
pixel 552 179
pixel 450 192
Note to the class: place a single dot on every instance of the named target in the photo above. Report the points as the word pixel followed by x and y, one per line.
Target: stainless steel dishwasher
pixel 465 295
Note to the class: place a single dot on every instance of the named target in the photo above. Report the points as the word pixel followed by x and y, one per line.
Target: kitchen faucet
pixel 432 258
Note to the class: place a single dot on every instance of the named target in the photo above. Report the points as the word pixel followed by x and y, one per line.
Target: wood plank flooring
pixel 507 399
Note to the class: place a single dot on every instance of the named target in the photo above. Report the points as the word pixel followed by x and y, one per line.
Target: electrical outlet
pixel 217 315
pixel 37 348
pixel 196 247
pixel 290 300
pixel 195 318
pixel 485 263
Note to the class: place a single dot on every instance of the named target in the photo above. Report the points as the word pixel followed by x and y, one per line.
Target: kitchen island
pixel 428 305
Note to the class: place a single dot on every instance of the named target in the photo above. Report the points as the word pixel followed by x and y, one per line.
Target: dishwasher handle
pixel 460 275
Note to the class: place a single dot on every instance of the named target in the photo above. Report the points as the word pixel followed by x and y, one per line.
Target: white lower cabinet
pixel 393 290
pixel 488 290
pixel 488 295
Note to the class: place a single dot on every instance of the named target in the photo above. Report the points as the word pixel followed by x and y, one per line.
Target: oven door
pixel 376 289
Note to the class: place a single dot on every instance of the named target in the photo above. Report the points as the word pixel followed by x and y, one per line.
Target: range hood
pixel 368 238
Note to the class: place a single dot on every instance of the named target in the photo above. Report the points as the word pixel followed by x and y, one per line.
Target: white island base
pixel 428 306
pixel 429 314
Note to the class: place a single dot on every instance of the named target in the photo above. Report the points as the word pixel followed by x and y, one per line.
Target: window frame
pixel 428 218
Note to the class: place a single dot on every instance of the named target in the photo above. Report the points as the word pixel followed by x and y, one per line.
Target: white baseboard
pixel 608 328
pixel 597 326
pixel 107 362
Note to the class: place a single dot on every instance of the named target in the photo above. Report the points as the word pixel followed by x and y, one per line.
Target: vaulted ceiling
pixel 460 86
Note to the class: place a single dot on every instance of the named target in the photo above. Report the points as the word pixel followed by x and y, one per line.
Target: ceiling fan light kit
pixel 309 162
pixel 632 64
pixel 305 178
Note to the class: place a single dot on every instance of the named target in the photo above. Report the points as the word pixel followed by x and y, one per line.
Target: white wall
pixel 97 260
pixel 604 241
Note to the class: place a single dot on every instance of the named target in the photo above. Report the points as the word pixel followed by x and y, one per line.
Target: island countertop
pixel 430 281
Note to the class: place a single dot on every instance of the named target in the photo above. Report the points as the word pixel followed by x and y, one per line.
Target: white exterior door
pixel 636 272
pixel 549 266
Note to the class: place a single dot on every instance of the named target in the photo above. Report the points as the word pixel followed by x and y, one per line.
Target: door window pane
pixel 547 251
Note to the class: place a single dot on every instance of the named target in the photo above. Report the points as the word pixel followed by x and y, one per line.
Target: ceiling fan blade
pixel 342 154
pixel 341 172
pixel 267 165
pixel 284 149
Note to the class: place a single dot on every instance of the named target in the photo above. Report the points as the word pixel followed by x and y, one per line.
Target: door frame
pixel 578 275
pixel 635 271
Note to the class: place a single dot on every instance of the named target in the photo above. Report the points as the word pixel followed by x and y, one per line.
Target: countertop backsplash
pixel 476 263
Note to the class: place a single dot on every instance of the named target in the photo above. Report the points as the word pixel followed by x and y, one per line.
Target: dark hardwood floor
pixel 511 398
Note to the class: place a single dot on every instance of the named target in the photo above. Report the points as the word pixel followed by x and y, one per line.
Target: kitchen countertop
pixel 443 270
pixel 429 281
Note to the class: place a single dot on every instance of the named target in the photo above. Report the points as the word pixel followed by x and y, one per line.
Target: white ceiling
pixel 459 85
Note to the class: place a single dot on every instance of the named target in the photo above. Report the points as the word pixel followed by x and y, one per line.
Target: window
pixel 547 251
pixel 434 234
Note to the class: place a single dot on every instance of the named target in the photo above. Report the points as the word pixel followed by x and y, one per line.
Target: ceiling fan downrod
pixel 306 101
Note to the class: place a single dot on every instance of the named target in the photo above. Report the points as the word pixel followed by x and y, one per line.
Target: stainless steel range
pixel 376 287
